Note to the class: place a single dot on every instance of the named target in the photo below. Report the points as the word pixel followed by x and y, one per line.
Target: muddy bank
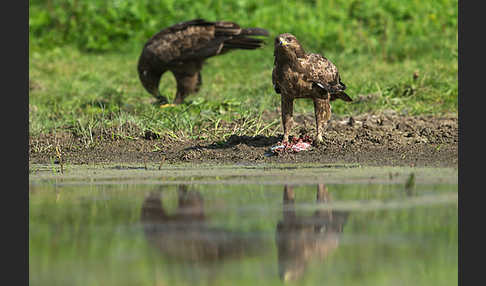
pixel 369 139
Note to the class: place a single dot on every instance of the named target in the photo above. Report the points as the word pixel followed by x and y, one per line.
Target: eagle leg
pixel 186 84
pixel 179 98
pixel 288 199
pixel 199 82
pixel 287 113
pixel 322 197
pixel 322 194
pixel 322 111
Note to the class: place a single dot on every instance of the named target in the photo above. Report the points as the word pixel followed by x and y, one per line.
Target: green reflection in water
pixel 246 234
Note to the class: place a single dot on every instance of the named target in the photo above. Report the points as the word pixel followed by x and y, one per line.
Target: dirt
pixel 386 139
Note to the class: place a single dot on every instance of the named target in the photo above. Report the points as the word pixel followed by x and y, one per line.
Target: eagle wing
pixel 321 71
pixel 274 80
pixel 199 39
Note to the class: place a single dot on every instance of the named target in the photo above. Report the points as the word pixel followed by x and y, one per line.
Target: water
pixel 342 227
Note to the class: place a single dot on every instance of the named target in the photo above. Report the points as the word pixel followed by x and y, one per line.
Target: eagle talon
pixel 161 100
pixel 167 105
pixel 318 143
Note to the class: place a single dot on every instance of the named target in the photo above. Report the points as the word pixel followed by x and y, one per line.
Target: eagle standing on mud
pixel 297 74
pixel 183 48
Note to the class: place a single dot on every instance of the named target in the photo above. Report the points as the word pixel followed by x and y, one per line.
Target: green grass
pixel 79 92
pixel 377 48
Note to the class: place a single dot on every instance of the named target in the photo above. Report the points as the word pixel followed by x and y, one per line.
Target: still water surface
pixel 243 234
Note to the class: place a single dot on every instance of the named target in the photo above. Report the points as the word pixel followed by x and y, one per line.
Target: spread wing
pixel 199 39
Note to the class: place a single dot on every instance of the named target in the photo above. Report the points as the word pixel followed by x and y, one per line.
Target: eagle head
pixel 288 44
pixel 148 74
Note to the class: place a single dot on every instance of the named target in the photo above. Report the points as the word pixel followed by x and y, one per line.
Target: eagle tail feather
pixel 254 32
pixel 195 22
pixel 342 95
pixel 226 29
pixel 343 86
pixel 336 92
pixel 243 43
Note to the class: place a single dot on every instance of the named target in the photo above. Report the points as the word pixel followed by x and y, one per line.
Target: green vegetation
pixel 83 55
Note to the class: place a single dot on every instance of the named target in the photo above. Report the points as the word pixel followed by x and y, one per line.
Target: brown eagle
pixel 297 74
pixel 183 48
pixel 303 238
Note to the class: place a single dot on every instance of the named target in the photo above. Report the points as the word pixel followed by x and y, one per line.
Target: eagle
pixel 297 74
pixel 183 49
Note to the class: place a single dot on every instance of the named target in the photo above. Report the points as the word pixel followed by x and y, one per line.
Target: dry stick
pixel 161 162
pixel 59 157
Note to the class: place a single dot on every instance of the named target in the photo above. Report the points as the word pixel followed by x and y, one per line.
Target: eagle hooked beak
pixel 282 42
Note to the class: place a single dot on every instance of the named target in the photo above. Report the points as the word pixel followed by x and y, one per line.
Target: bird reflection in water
pixel 186 235
pixel 303 238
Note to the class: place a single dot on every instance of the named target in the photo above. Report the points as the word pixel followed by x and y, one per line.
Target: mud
pixel 386 139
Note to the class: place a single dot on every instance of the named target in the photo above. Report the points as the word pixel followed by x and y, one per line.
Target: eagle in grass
pixel 297 74
pixel 183 48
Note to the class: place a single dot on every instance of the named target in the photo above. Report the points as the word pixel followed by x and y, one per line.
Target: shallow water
pixel 315 226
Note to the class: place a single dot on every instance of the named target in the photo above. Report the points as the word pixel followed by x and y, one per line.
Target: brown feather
pixel 182 49
pixel 297 74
